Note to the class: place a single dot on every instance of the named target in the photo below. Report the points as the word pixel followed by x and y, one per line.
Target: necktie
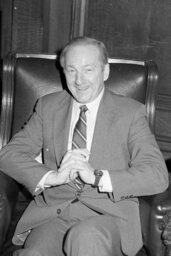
pixel 79 138
pixel 79 134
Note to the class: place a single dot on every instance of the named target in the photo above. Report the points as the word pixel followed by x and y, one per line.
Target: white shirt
pixel 105 184
pixel 91 115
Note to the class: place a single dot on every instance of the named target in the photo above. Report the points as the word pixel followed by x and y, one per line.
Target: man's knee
pixel 95 235
pixel 95 227
pixel 80 238
pixel 82 231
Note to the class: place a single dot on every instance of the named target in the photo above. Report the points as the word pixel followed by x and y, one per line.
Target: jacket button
pixel 58 211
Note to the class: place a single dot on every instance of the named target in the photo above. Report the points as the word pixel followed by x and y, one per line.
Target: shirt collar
pixel 92 106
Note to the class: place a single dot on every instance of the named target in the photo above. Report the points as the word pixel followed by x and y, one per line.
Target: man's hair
pixel 85 41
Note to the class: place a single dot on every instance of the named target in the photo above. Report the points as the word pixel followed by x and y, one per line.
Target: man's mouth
pixel 82 88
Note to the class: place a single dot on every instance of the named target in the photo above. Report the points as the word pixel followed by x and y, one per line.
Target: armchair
pixel 26 77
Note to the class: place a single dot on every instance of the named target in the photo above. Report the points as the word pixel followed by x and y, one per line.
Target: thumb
pixel 73 174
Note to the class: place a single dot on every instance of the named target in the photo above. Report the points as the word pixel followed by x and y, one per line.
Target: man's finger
pixel 73 174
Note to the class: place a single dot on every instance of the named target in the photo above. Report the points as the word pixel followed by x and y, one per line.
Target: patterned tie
pixel 79 138
pixel 79 134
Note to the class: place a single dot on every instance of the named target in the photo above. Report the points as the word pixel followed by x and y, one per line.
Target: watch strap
pixel 98 174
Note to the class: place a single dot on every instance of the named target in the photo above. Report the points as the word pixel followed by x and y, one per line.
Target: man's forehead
pixel 85 53
pixel 81 48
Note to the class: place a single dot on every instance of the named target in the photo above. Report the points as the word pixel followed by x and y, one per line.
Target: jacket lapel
pixel 102 134
pixel 62 118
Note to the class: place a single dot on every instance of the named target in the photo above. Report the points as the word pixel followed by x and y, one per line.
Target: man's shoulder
pixel 124 101
pixel 53 101
pixel 125 107
pixel 56 98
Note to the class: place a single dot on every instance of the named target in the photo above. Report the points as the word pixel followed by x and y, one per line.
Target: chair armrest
pixel 155 214
pixel 8 197
pixel 166 235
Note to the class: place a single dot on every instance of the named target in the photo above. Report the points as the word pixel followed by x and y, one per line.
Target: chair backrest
pixel 26 77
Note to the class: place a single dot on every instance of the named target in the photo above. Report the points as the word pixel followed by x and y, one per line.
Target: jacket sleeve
pixel 17 158
pixel 146 173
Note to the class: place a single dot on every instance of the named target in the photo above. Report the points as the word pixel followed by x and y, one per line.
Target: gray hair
pixel 85 41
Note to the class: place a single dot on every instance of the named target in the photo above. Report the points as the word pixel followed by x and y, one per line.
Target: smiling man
pixel 84 74
pixel 99 157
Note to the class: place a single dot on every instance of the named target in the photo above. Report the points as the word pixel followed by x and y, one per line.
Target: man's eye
pixel 70 70
pixel 89 69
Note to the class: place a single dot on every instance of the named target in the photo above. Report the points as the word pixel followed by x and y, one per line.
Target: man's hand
pixel 77 161
pixel 74 163
pixel 82 167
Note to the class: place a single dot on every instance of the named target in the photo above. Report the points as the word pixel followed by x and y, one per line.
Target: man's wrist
pixel 50 179
pixel 42 183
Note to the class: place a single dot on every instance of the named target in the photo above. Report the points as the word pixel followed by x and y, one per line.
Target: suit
pixel 122 144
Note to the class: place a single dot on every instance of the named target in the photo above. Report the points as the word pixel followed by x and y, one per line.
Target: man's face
pixel 85 73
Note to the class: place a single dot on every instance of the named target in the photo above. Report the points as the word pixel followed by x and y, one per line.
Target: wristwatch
pixel 98 174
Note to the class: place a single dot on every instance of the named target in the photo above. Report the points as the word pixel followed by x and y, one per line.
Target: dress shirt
pixel 105 184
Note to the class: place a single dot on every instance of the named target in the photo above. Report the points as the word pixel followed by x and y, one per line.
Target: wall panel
pixel 35 26
pixel 27 26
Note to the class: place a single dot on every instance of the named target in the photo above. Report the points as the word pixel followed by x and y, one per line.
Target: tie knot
pixel 83 108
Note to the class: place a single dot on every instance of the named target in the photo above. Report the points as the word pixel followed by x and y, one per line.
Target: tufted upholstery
pixel 25 79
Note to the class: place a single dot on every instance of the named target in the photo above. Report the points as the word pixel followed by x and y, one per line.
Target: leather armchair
pixel 26 77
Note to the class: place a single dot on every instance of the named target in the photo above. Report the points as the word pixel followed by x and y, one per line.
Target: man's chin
pixel 82 99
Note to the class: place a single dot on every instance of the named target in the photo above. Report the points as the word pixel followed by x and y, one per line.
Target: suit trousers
pixel 79 231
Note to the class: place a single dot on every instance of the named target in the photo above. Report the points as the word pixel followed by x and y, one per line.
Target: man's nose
pixel 78 78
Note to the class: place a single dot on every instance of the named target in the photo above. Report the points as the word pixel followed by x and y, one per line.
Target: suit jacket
pixel 122 144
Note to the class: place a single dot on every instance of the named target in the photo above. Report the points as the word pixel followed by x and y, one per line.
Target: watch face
pixel 98 173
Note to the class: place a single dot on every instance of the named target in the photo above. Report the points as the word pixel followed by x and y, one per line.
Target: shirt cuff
pixel 105 184
pixel 41 185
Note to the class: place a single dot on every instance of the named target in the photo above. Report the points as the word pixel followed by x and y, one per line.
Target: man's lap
pixel 48 239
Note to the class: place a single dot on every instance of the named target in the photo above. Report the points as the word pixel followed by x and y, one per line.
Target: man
pixel 96 162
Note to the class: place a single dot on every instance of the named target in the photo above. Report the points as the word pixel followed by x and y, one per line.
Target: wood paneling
pixel 57 24
pixel 163 123
pixel 27 30
pixel 79 12
pixel 6 26
pixel 123 25
pixel 35 26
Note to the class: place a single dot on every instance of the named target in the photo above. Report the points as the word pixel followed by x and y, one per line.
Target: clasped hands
pixel 74 163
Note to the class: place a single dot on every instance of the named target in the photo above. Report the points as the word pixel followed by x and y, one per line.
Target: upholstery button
pixel 58 211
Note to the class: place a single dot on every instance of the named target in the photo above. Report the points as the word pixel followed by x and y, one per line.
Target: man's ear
pixel 106 71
